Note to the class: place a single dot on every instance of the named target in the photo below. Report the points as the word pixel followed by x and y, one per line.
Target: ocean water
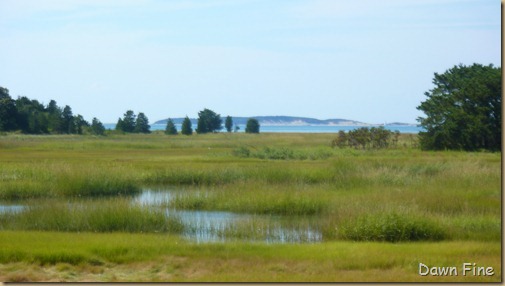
pixel 300 129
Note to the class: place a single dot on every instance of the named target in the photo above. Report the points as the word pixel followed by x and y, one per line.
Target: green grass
pixel 401 195
pixel 123 257
pixel 453 189
pixel 392 227
pixel 102 215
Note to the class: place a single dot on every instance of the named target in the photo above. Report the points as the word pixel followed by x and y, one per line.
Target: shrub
pixel 365 138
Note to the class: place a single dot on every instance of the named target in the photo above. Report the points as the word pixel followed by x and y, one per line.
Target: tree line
pixel 32 117
pixel 29 116
pixel 463 112
pixel 209 122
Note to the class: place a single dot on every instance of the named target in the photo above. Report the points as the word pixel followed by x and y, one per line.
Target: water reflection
pixel 152 197
pixel 216 226
pixel 11 208
pixel 220 226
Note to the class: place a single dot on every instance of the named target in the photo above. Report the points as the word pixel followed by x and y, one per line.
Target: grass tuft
pixel 392 227
pixel 114 215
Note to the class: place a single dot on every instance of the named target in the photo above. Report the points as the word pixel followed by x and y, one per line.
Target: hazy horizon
pixel 223 117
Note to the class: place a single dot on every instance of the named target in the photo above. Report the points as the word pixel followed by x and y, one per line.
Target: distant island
pixel 290 121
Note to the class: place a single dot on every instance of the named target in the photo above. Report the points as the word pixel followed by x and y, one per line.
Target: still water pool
pixel 204 226
pixel 212 226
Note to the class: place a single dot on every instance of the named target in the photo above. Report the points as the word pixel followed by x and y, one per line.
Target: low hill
pixel 278 120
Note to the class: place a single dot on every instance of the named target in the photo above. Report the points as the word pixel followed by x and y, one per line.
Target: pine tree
pixel 142 124
pixel 228 124
pixel 186 128
pixel 170 129
pixel 97 127
pixel 8 111
pixel 128 122
pixel 119 125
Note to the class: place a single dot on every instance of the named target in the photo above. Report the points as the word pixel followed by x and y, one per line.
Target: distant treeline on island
pixel 287 120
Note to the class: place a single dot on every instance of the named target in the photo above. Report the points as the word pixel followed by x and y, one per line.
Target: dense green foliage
pixel 97 127
pixel 367 138
pixel 186 128
pixel 30 116
pixel 208 121
pixel 463 110
pixel 142 124
pixel 252 126
pixel 228 123
pixel 8 112
pixel 131 123
pixel 170 129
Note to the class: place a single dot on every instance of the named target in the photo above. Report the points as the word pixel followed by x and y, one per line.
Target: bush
pixel 365 138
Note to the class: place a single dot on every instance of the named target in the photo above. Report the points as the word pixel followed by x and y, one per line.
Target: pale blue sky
pixel 368 60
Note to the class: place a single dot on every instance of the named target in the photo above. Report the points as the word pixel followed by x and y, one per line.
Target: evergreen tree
pixel 128 122
pixel 252 126
pixel 208 121
pixel 55 119
pixel 8 111
pixel 67 121
pixel 186 128
pixel 32 116
pixel 142 124
pixel 119 125
pixel 228 123
pixel 170 129
pixel 97 127
pixel 79 123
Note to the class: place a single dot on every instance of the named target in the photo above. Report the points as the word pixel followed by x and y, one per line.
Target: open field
pixel 380 212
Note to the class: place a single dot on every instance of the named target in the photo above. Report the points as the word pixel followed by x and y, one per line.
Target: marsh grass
pixel 257 200
pixel 93 183
pixel 50 180
pixel 458 190
pixel 296 229
pixel 114 257
pixel 113 215
pixel 392 227
pixel 284 153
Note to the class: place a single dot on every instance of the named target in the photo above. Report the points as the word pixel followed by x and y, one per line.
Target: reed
pixel 392 227
pixel 112 215
pixel 256 199
pixel 458 190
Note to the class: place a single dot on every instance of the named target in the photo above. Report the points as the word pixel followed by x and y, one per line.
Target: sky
pixel 370 61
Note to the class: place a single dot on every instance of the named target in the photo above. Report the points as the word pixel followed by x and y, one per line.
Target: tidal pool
pixel 213 226
pixel 206 225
